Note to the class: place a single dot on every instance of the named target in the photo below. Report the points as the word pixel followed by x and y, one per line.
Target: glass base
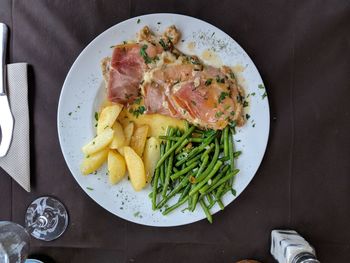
pixel 46 218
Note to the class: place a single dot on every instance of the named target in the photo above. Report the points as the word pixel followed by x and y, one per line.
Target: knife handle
pixel 3 43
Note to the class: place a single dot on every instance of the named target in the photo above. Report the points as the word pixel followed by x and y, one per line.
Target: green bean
pixel 198 131
pixel 202 167
pixel 187 126
pixel 201 147
pixel 221 204
pixel 206 179
pixel 159 190
pixel 226 142
pixel 183 183
pixel 155 185
pixel 206 211
pixel 178 133
pixel 218 196
pixel 221 181
pixel 222 138
pixel 183 171
pixel 195 198
pixel 169 138
pixel 211 165
pixel 190 200
pixel 196 139
pixel 185 192
pixel 216 179
pixel 168 170
pixel 224 159
pixel 219 191
pixel 162 171
pixel 173 207
pixel 237 154
pixel 209 198
pixel 182 161
pixel 208 150
pixel 175 169
pixel 232 161
pixel 191 161
pixel 173 148
pixel 182 145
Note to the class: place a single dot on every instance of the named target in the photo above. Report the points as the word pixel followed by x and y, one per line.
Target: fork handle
pixel 3 43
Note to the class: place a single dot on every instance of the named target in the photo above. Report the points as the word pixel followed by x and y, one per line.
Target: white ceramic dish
pixel 81 96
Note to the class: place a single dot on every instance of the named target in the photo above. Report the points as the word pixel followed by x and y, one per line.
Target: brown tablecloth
pixel 302 50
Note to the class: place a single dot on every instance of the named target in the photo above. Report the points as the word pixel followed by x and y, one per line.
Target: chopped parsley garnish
pixel 137 214
pixel 96 116
pixel 138 21
pixel 253 93
pixel 111 46
pixel 70 113
pixel 158 23
pixel 247 116
pixel 193 102
pixel 162 43
pixel 144 54
pixel 232 124
pixel 220 80
pixel 208 82
pixel 138 100
pixel 245 103
pixel 218 114
pixel 232 75
pixel 195 61
pixel 226 107
pixel 253 125
pixel 222 96
pixel 127 96
pixel 261 86
pixel 139 111
pixel 264 95
pixel 89 188
pixel 232 113
pixel 208 133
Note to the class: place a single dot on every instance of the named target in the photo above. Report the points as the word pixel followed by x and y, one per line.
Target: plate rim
pixel 84 50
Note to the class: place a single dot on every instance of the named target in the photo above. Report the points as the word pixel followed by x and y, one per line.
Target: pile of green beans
pixel 197 167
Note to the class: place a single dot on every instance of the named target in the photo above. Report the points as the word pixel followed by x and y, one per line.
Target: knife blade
pixel 6 118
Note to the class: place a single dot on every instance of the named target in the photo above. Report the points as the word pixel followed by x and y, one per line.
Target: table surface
pixel 302 50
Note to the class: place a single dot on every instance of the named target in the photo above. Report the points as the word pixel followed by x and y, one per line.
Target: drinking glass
pixel 46 218
pixel 14 242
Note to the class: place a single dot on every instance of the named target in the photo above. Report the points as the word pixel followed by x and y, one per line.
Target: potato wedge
pixel 135 168
pixel 157 123
pixel 128 131
pixel 119 137
pixel 151 156
pixel 138 139
pixel 99 142
pixel 94 161
pixel 116 167
pixel 108 116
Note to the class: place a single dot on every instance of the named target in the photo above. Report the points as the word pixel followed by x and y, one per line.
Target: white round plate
pixel 81 96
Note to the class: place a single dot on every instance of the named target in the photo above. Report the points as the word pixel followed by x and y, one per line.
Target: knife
pixel 6 118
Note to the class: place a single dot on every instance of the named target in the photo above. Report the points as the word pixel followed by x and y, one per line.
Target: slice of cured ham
pixel 172 83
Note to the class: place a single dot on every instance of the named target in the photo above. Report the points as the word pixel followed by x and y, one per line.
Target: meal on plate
pixel 169 120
